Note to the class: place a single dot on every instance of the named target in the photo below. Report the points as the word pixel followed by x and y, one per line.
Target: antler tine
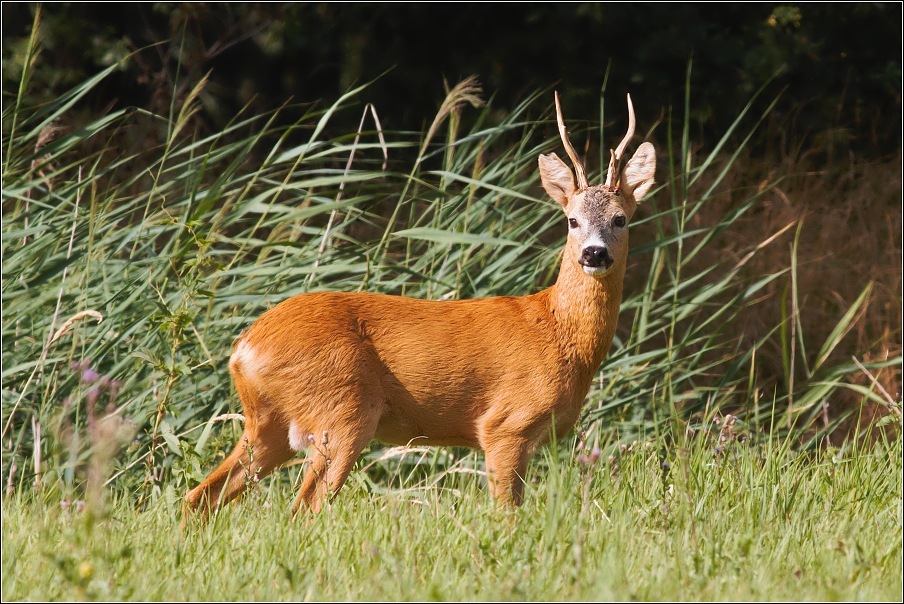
pixel 621 146
pixel 613 168
pixel 615 162
pixel 578 166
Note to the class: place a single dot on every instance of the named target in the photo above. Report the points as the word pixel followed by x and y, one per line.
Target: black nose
pixel 595 256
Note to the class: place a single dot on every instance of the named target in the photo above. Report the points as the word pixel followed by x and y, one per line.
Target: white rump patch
pixel 297 436
pixel 248 360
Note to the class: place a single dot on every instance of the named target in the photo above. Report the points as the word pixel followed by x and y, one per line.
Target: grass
pixel 136 247
pixel 757 522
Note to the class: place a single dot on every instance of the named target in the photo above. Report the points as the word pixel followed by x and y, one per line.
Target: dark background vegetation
pixel 841 62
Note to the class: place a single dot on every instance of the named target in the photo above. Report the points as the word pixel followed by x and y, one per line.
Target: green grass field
pixel 754 523
pixel 137 247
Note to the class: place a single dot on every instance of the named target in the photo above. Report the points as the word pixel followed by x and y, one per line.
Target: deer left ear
pixel 637 177
pixel 556 178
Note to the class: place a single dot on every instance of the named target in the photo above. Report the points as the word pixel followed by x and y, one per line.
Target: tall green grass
pixel 127 276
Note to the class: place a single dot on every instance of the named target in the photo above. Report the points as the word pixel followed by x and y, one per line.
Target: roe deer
pixel 331 371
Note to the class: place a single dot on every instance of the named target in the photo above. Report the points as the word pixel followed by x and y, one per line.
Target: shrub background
pixel 842 62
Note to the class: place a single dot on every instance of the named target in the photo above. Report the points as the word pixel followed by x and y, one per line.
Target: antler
pixel 615 163
pixel 578 166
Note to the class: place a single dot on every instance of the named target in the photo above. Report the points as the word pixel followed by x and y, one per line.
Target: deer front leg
pixel 506 461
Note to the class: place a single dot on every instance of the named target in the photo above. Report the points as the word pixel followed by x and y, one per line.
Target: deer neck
pixel 586 312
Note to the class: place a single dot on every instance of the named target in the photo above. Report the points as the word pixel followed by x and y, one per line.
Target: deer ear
pixel 637 177
pixel 556 178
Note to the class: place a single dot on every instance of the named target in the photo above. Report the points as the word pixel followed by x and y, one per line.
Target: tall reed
pixel 128 274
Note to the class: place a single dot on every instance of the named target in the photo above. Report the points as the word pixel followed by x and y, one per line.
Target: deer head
pixel 598 215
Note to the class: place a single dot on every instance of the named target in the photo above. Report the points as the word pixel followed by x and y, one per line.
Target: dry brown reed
pixel 851 235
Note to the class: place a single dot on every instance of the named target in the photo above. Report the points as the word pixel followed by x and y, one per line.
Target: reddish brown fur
pixel 339 369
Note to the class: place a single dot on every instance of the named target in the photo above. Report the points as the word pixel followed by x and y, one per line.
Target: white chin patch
pixel 594 270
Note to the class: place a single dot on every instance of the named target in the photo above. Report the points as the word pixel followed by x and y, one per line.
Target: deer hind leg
pixel 331 463
pixel 264 445
pixel 336 448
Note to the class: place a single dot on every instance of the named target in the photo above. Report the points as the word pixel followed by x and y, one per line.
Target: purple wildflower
pixel 89 376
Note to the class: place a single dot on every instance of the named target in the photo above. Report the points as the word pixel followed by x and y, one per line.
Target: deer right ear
pixel 637 176
pixel 556 178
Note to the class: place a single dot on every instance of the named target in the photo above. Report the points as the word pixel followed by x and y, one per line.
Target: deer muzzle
pixel 595 259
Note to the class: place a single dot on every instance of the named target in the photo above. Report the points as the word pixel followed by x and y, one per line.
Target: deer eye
pixel 620 221
pixel 573 223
